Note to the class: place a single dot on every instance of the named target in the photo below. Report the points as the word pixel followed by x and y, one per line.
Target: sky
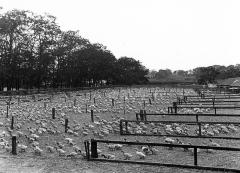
pixel 161 34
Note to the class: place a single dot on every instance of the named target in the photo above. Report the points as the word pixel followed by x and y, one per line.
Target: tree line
pixel 200 75
pixel 36 53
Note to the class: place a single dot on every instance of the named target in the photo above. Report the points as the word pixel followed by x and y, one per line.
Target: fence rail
pixel 143 116
pixel 92 154
pixel 124 129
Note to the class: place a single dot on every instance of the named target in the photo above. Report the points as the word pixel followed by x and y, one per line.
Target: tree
pixel 14 26
pixel 44 38
pixel 163 74
pixel 206 75
pixel 130 71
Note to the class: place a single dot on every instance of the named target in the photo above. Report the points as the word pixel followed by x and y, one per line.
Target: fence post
pixel 126 127
pixel 92 118
pixel 94 153
pixel 45 105
pixel 8 103
pixel 199 129
pixel 141 115
pixel 94 100
pixel 53 113
pixel 12 122
pixel 14 145
pixel 215 110
pixel 66 125
pixel 185 99
pixel 150 102
pixel 121 127
pixel 75 102
pixel 195 156
pixel 197 118
pixel 137 117
pixel 7 111
pixel 178 100
pixel 175 107
pixel 168 109
pixel 112 102
pixel 86 145
pixel 145 115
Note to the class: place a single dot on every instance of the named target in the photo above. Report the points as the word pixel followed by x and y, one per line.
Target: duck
pixel 127 156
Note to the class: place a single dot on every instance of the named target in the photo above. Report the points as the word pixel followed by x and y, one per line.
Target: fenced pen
pixel 91 148
pixel 108 115
pixel 124 129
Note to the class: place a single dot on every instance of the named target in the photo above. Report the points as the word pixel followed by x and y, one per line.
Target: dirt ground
pixel 40 164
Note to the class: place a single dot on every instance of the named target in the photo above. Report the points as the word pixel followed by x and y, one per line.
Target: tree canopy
pixel 35 53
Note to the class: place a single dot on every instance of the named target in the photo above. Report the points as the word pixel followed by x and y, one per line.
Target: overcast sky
pixel 174 34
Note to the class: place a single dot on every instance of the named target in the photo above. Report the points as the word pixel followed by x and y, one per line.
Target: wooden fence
pixel 92 154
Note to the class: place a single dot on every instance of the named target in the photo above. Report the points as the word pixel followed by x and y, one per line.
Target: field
pixel 43 145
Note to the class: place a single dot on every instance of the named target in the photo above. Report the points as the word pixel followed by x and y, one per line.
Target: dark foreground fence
pixel 124 129
pixel 91 148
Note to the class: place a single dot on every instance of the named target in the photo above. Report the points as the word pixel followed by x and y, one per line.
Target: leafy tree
pixel 131 71
pixel 206 75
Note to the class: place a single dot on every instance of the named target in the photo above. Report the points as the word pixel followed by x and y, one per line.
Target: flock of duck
pixel 39 134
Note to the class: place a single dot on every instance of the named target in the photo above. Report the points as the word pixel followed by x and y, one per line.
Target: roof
pixel 230 81
pixel 236 83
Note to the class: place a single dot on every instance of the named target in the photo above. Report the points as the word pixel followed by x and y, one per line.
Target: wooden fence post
pixel 175 107
pixel 66 125
pixel 86 145
pixel 137 117
pixel 144 115
pixel 12 122
pixel 45 105
pixel 197 118
pixel 195 156
pixel 14 145
pixel 199 129
pixel 150 102
pixel 9 104
pixel 112 102
pixel 92 116
pixel 141 115
pixel 7 112
pixel 94 153
pixel 53 113
pixel 126 127
pixel 121 128
pixel 75 102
